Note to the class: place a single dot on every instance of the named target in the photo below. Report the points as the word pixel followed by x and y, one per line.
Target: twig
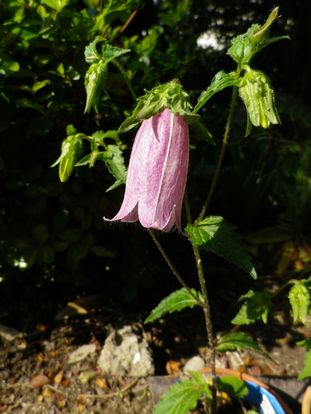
pixel 112 394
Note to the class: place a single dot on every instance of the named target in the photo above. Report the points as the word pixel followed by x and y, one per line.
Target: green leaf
pixel 220 81
pixel 236 340
pixel 183 396
pixel 299 298
pixel 8 66
pixel 110 53
pixel 176 301
pixel 306 372
pixel 232 386
pixel 113 158
pixel 57 5
pixel 91 54
pixel 257 305
pixel 169 95
pixel 216 235
pixel 202 132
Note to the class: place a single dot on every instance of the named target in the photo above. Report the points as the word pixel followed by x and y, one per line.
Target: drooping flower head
pixel 158 166
pixel 157 173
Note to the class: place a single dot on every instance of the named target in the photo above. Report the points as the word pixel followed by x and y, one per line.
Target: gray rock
pixel 195 363
pixel 126 353
pixel 9 334
pixel 81 353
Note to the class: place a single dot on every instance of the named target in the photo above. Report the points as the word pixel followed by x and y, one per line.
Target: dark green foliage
pixel 53 231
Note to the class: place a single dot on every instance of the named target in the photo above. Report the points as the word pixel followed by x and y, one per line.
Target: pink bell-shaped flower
pixel 157 173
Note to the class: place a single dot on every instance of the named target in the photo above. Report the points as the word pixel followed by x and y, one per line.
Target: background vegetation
pixel 54 244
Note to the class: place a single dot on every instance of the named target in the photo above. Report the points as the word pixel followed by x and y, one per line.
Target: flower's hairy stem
pixel 206 310
pixel 222 150
pixel 170 265
pixel 208 323
pixel 126 78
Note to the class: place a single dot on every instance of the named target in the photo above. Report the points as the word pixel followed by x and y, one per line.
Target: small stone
pixel 195 363
pixel 8 333
pixel 81 353
pixel 38 381
pixel 126 353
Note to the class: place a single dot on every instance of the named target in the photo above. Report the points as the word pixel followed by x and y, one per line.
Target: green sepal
pixel 214 234
pixel 256 306
pixel 168 95
pixel 176 301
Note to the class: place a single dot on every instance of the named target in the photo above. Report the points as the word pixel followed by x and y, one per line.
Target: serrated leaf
pixel 257 305
pixel 176 301
pixel 110 53
pixel 91 54
pixel 299 298
pixel 57 5
pixel 220 81
pixel 202 132
pixel 232 386
pixel 236 340
pixel 306 372
pixel 113 158
pixel 181 397
pixel 216 235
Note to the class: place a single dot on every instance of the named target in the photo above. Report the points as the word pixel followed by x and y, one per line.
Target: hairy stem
pixel 208 323
pixel 222 151
pixel 125 77
pixel 206 310
pixel 171 266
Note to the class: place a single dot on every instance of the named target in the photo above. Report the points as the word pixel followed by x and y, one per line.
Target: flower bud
pixel 94 79
pixel 258 97
pixel 71 151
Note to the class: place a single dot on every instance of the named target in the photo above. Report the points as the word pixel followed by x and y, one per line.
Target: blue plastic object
pixel 262 400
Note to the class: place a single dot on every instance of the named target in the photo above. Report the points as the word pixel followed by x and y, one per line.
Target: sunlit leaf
pixel 299 298
pixel 183 396
pixel 232 386
pixel 256 306
pixel 220 81
pixel 176 301
pixel 216 235
pixel 236 340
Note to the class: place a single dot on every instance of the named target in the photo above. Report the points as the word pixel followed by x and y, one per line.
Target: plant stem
pixel 206 310
pixel 171 266
pixel 208 323
pixel 125 77
pixel 222 151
